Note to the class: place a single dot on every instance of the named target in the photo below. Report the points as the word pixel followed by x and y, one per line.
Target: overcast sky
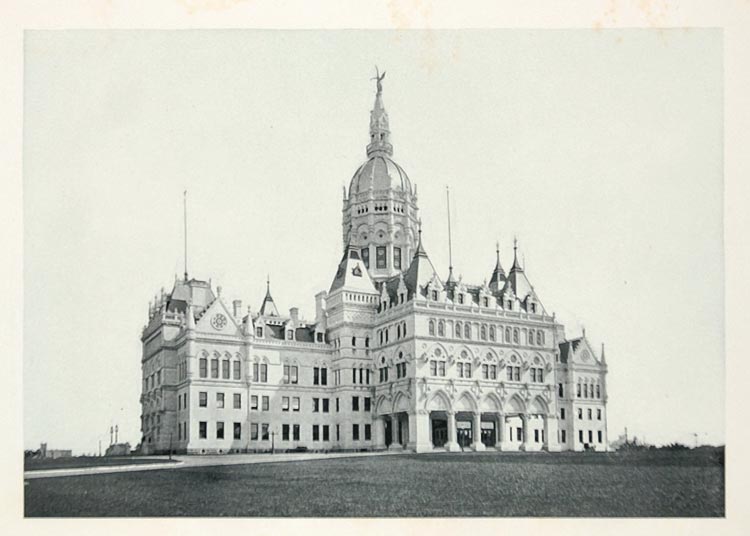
pixel 600 150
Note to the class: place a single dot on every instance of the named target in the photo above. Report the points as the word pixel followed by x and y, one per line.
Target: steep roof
pixel 497 280
pixel 197 292
pixel 420 271
pixel 268 308
pixel 352 273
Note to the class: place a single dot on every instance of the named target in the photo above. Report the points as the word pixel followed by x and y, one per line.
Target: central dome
pixel 380 173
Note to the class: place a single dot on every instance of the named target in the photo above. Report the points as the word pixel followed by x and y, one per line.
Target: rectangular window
pixel 285 432
pixel 368 432
pixel 263 373
pixel 219 430
pixel 236 370
pixel 433 368
pixel 203 399
pixel 493 372
pixel 397 258
pixel 367 403
pixel 591 436
pixel 254 402
pixel 294 374
pixel 354 375
pixel 316 432
pixel 237 401
pixel 337 404
pixel 517 374
pixel 380 258
pixel 365 252
pixel 338 433
pixel 259 332
pixel 254 431
pixel 326 436
pixel 355 432
pixel 264 431
pixel 285 403
pixel 562 436
pixel 295 403
pixel 580 436
pixel 316 376
pixel 589 413
pixel 285 378
pixel 203 365
pixel 225 369
pixel 325 405
pixel 441 369
pixel 220 400
pixel 316 405
pixel 238 430
pixel 485 372
pixel 323 376
pixel 580 414
pixel 599 436
pixel 598 415
pixel 355 403
pixel 562 414
pixel 256 372
pixel 202 430
pixel 214 368
pixel 265 403
pixel 295 432
pixel 560 391
pixel 578 390
pixel 536 436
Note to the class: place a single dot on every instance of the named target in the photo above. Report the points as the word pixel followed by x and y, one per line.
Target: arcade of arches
pixel 466 425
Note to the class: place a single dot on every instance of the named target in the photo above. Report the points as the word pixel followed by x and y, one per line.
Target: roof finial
pixel 184 210
pixel 268 283
pixel 379 80
pixel 516 266
pixel 450 244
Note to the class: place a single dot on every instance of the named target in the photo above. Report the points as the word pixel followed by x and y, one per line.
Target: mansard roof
pixel 197 292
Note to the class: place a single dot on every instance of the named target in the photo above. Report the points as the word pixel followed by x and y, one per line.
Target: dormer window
pixel 259 332
pixel 510 305
pixel 533 308
pixel 434 295
pixel 319 337
pixel 486 302
pixel 461 298
pixel 289 335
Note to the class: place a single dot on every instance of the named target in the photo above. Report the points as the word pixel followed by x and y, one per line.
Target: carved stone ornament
pixel 424 387
pixel 476 388
pixel 501 392
pixel 525 393
pixel 451 388
pixel 424 357
pixel 548 367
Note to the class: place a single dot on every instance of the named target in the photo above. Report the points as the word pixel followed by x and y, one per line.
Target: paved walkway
pixel 198 461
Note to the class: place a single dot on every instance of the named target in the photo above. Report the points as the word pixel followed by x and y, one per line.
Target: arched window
pixel 507 334
pixel 432 327
pixel 598 391
pixel 214 368
pixel 515 335
pixel 585 390
pixel 540 338
pixel 398 331
pixel 236 369
pixel 203 367
pixel 441 329
pixel 403 330
pixel 492 333
pixel 225 369
pixel 467 331
pixel 483 333
pixel 531 337
pixel 458 330
pixel 578 390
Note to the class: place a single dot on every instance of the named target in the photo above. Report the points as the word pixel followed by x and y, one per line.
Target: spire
pixel 498 274
pixel 420 271
pixel 516 266
pixel 184 210
pixel 603 359
pixel 380 134
pixel 269 307
pixel 450 282
pixel 420 249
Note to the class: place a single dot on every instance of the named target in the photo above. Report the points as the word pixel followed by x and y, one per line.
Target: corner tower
pixel 380 211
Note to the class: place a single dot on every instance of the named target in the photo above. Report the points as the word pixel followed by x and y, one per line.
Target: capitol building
pixel 398 356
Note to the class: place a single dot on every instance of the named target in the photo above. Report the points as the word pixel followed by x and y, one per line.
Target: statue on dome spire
pixel 379 78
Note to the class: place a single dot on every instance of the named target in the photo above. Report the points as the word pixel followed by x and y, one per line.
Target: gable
pixel 217 320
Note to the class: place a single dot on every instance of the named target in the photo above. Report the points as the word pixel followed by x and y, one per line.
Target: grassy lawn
pixel 30 464
pixel 673 484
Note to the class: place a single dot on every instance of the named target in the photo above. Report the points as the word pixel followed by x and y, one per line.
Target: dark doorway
pixel 489 435
pixel 464 433
pixel 388 432
pixel 439 432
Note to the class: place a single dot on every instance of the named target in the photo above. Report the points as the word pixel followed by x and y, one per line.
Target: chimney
pixel 294 313
pixel 237 305
pixel 320 306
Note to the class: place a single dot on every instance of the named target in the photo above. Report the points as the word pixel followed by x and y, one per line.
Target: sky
pixel 600 150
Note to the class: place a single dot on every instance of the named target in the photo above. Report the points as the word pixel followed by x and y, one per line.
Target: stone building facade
pixel 396 356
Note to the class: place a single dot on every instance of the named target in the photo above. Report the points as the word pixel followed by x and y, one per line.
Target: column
pixel 395 445
pixel 527 441
pixel 477 445
pixel 551 442
pixel 452 444
pixel 379 433
pixel 505 444
pixel 419 431
pixel 499 430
